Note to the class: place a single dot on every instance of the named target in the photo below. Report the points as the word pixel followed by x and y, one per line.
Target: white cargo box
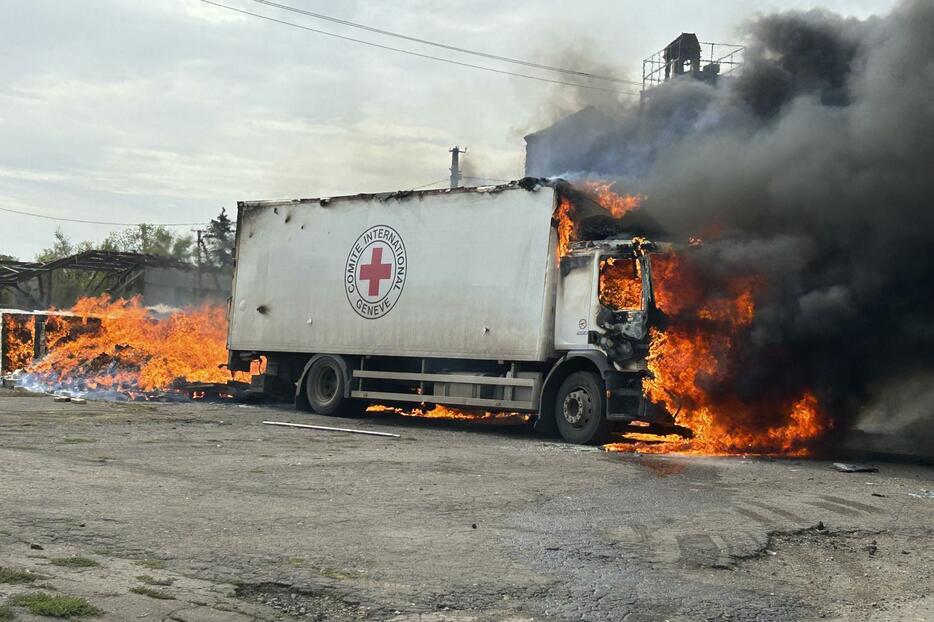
pixel 465 273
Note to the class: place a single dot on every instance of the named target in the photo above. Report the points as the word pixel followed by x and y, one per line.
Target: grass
pixel 75 562
pixel 6 614
pixel 151 592
pixel 42 604
pixel 154 581
pixel 14 577
pixel 152 564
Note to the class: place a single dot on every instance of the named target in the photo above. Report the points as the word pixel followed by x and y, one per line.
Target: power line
pixel 101 222
pixel 418 54
pixel 454 48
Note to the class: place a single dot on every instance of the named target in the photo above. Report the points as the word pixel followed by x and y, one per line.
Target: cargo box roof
pixel 526 183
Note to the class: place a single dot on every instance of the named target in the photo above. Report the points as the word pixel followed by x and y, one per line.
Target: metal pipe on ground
pixel 330 429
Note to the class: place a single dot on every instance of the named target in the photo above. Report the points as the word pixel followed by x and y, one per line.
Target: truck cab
pixel 603 308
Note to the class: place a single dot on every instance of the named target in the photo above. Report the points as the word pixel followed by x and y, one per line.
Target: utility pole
pixel 456 166
pixel 200 233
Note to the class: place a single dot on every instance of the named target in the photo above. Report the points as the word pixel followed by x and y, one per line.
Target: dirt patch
pixel 872 574
pixel 307 604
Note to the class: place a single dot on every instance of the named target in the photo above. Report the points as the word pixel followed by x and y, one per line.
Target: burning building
pixel 594 142
pixel 807 178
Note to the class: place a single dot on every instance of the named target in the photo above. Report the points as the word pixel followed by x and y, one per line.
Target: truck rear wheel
pixel 325 386
pixel 579 409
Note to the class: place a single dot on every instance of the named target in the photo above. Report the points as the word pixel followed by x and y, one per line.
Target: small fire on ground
pixel 444 412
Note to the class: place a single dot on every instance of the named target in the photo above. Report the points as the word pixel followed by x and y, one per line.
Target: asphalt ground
pixel 451 521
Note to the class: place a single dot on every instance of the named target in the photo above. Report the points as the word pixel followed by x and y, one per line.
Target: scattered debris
pixel 214 391
pixel 330 429
pixel 924 494
pixel 843 467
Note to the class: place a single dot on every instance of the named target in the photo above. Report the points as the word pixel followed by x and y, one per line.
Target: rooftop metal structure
pixel 686 55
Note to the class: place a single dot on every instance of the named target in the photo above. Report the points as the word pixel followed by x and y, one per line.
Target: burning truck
pixel 405 298
pixel 564 312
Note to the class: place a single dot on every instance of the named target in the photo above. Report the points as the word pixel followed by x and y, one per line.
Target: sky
pixel 164 111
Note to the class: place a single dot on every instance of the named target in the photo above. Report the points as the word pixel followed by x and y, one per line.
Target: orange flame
pixel 566 226
pixel 120 345
pixel 439 411
pixel 617 204
pixel 693 356
pixel 620 284
pixel 19 341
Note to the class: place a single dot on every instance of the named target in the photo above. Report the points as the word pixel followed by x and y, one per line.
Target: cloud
pixel 166 110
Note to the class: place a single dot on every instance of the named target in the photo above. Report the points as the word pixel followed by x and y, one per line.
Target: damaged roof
pixel 12 272
pixel 526 183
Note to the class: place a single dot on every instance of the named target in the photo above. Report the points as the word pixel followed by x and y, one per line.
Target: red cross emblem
pixel 376 256
pixel 376 271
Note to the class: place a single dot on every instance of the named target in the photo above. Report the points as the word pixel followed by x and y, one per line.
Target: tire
pixel 325 386
pixel 580 410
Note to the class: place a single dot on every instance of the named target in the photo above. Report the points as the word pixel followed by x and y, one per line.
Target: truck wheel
pixel 579 410
pixel 324 388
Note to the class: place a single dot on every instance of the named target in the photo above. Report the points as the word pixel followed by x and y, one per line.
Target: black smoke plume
pixel 815 169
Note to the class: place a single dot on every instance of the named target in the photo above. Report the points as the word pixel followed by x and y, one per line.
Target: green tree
pixel 220 241
pixel 150 240
pixel 62 247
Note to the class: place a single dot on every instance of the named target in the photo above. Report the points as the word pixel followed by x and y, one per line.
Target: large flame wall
pixel 121 345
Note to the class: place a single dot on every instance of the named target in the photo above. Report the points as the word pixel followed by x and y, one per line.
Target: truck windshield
pixel 621 283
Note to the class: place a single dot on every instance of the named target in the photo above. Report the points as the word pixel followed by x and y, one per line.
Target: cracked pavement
pixel 453 521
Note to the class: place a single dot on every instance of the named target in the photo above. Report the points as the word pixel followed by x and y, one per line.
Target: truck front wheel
pixel 579 409
pixel 325 386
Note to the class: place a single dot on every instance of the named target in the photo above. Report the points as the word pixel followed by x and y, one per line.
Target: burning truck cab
pixel 610 284
pixel 524 297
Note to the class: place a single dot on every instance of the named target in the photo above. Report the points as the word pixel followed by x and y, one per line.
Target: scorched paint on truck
pixel 457 297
